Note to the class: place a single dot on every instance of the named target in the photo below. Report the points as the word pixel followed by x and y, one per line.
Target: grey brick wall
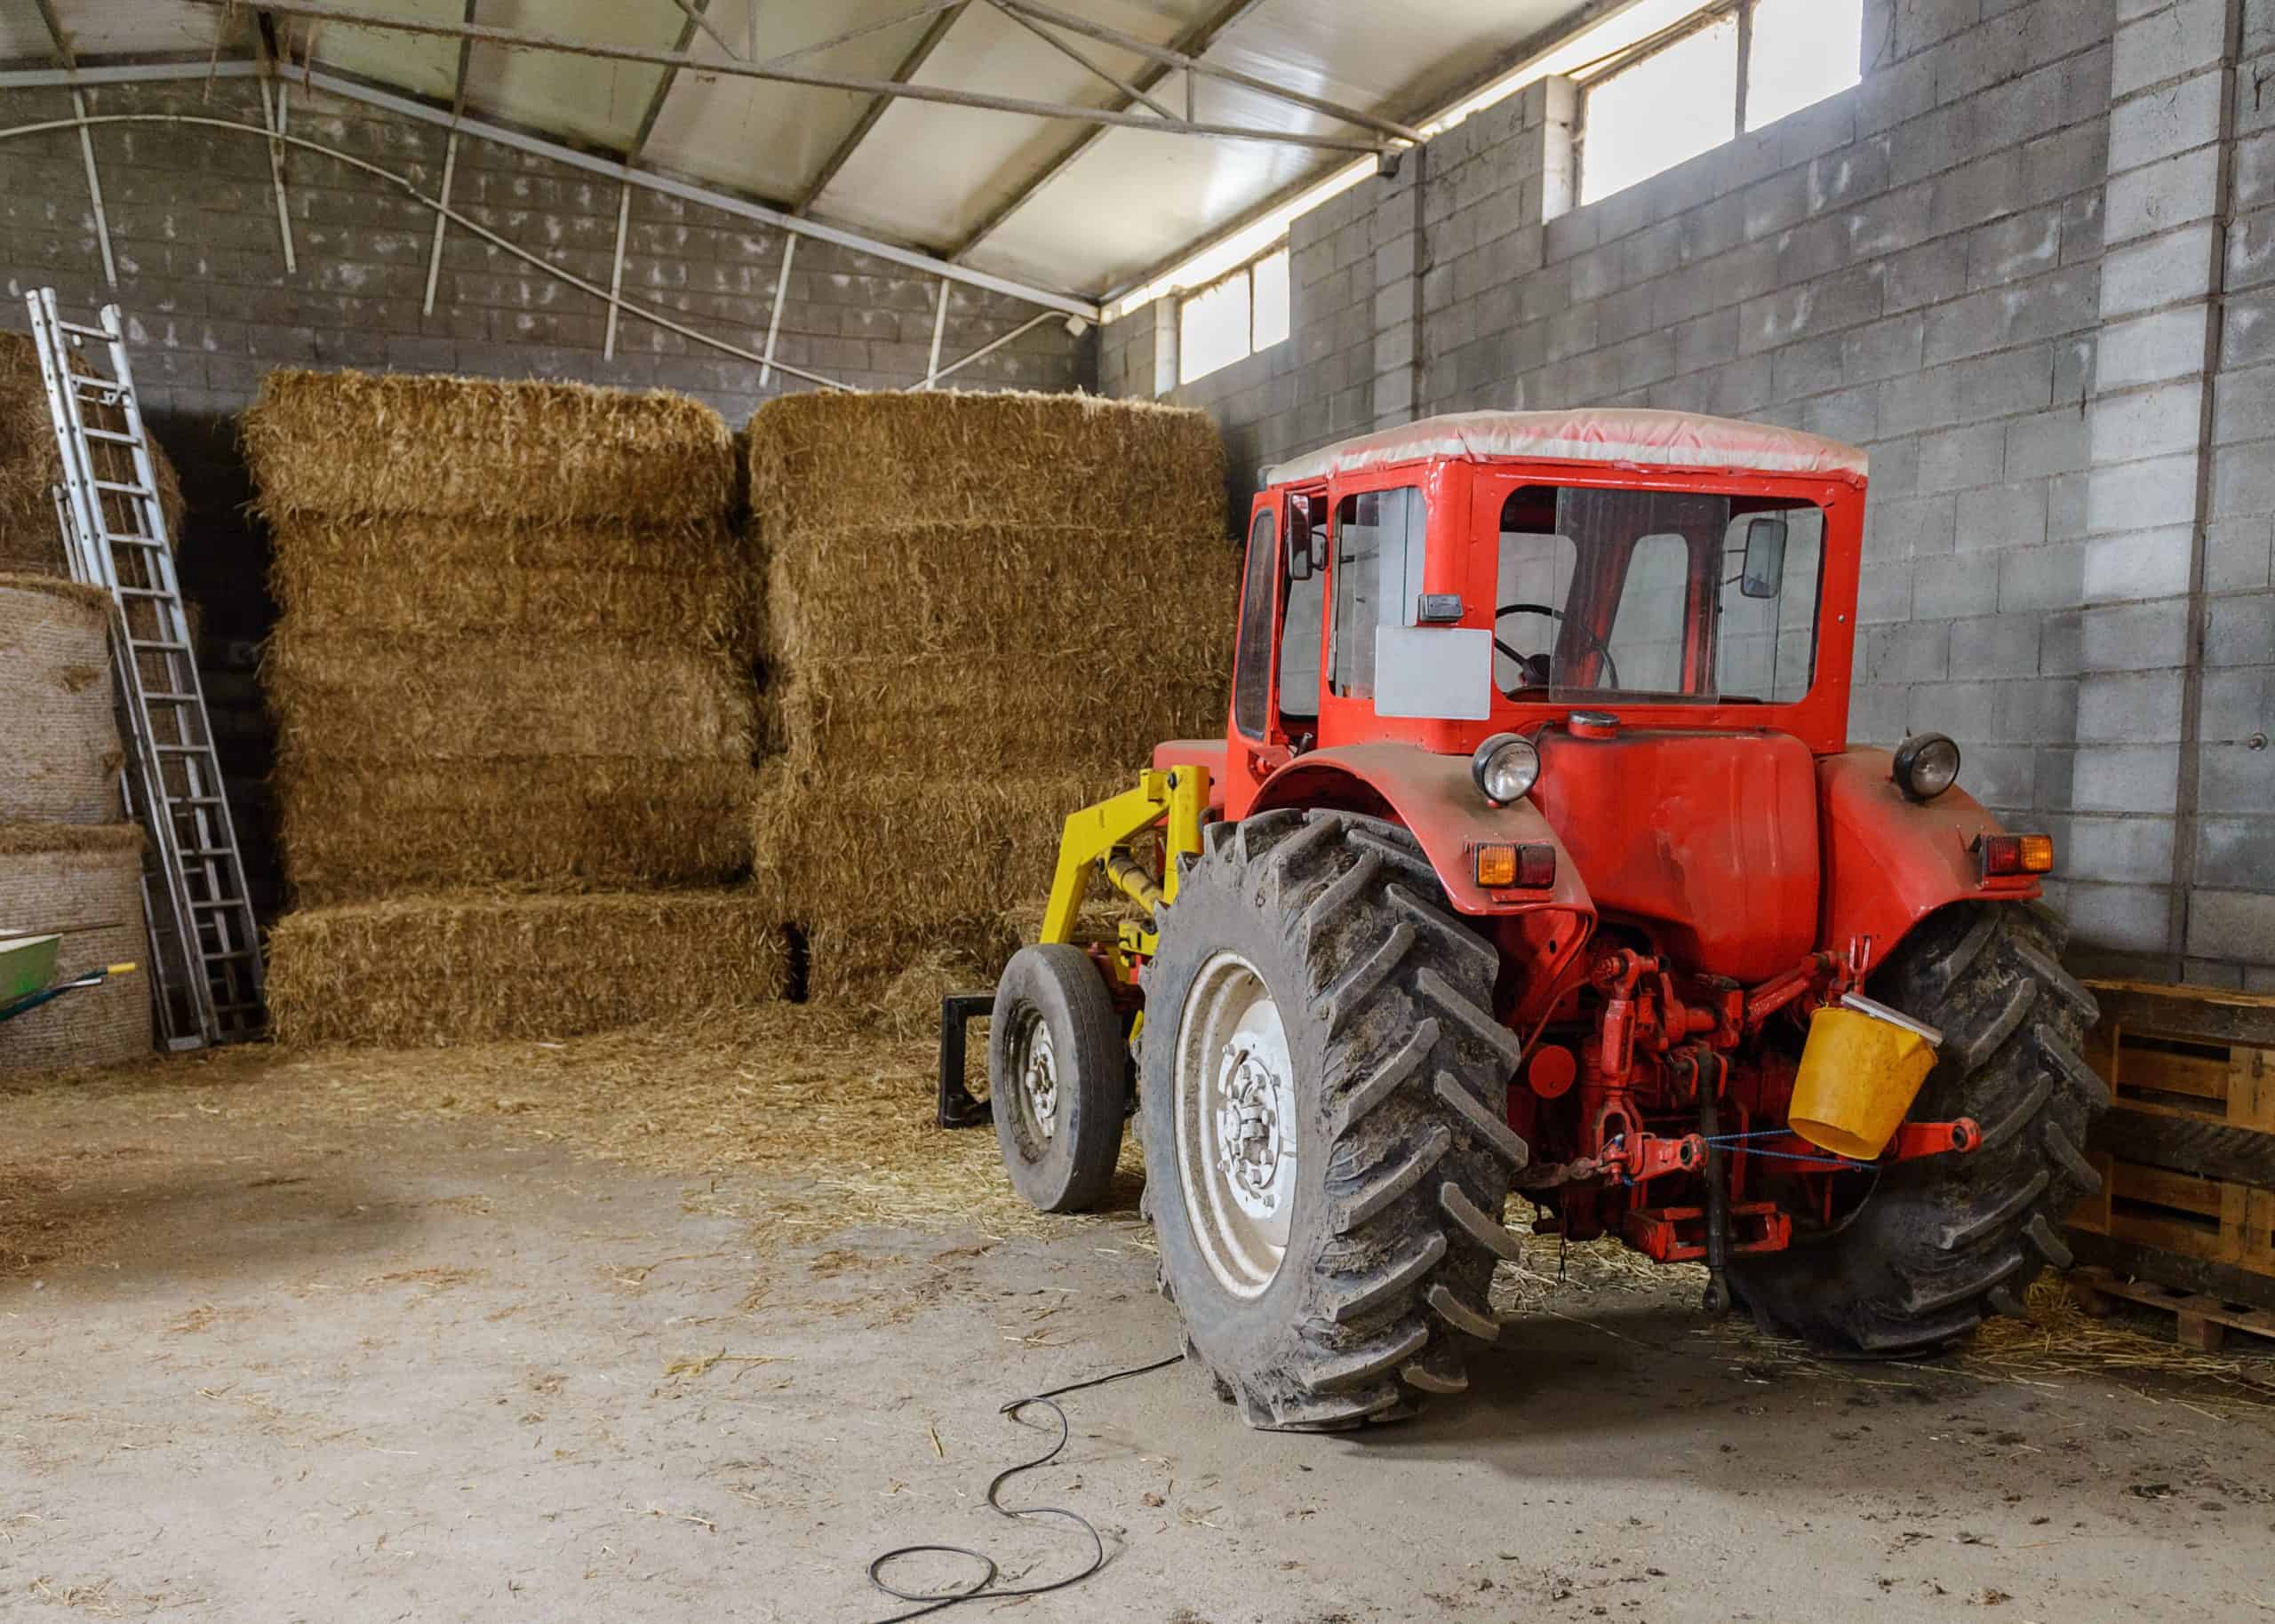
pixel 193 223
pixel 1919 265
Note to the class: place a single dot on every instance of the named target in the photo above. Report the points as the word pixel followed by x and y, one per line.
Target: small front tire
pixel 1057 1077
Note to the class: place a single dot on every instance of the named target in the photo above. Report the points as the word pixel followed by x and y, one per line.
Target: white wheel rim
pixel 1035 1063
pixel 1237 1135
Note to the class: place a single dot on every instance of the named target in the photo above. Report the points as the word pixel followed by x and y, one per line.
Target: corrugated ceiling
pixel 924 175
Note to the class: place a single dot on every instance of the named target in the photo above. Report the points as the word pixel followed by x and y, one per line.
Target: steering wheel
pixel 1534 669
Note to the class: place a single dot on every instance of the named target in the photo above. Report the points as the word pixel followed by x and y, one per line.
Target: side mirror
pixel 1763 573
pixel 1302 545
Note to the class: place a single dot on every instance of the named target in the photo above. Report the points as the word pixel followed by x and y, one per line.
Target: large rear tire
pixel 1938 1244
pixel 1322 1096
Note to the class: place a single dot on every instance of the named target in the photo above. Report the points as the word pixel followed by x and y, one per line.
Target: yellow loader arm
pixel 1094 840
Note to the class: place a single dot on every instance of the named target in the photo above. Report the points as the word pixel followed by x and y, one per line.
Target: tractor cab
pixel 1534 860
pixel 1498 571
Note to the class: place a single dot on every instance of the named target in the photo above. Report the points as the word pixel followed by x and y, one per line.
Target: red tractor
pixel 1535 858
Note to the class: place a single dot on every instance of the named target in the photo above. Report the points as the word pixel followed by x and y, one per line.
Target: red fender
pixel 1433 797
pixel 1890 861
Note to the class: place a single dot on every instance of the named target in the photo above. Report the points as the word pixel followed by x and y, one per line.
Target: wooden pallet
pixel 2187 1152
pixel 2200 1321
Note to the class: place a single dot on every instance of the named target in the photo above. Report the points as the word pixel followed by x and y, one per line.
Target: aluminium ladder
pixel 206 948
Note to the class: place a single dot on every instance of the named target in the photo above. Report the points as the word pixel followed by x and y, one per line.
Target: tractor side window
pixel 1252 653
pixel 1299 639
pixel 1765 645
pixel 1378 556
pixel 1647 632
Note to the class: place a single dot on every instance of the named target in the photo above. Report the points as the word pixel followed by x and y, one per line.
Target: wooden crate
pixel 2187 1153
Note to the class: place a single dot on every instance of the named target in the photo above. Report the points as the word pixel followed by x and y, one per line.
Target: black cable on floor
pixel 936 1601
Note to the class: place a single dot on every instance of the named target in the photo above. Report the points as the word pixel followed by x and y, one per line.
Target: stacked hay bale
pixel 31 540
pixel 984 610
pixel 68 865
pixel 515 715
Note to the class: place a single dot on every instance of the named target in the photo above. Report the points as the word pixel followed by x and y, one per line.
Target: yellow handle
pixel 127 968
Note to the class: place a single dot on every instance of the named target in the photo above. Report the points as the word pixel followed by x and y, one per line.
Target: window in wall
pixel 1803 51
pixel 1735 65
pixel 1268 297
pixel 1681 101
pixel 1233 319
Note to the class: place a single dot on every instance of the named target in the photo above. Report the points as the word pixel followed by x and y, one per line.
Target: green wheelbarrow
pixel 27 975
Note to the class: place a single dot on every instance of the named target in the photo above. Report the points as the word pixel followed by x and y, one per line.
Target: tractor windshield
pixel 1665 595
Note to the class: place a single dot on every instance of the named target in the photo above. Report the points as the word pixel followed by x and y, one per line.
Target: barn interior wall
pixel 2029 262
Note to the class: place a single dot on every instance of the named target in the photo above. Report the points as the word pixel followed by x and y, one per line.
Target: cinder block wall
pixel 2029 263
pixel 192 212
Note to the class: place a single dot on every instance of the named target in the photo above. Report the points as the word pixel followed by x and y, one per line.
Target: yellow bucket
pixel 1859 1075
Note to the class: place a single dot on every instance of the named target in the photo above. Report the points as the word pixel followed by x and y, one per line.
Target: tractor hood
pixel 1709 839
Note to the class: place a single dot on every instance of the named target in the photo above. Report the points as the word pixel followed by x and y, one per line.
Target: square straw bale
pixel 31 540
pixel 449 969
pixel 833 461
pixel 689 587
pixel 534 452
pixel 390 698
pixel 357 830
pixel 895 590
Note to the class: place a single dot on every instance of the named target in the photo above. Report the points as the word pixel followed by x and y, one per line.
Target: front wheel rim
pixel 1237 1131
pixel 1034 1076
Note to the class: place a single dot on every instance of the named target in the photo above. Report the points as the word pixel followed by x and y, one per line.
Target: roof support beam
pixel 655 110
pixel 60 44
pixel 465 64
pixel 1513 62
pixel 60 41
pixel 694 10
pixel 524 39
pixel 1193 42
pixel 910 67
pixel 726 203
pixel 1131 92
pixel 1191 63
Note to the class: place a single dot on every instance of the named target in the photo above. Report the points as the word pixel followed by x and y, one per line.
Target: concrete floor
pixel 444 1372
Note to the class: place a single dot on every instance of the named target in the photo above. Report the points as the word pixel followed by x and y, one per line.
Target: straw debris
pixel 337 443
pixel 461 968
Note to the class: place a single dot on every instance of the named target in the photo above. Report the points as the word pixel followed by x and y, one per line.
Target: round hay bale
pixel 58 733
pixel 83 882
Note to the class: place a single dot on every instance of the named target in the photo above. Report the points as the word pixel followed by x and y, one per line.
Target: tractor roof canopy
pixel 1620 436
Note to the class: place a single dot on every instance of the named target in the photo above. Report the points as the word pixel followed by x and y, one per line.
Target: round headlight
pixel 1927 764
pixel 1504 767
